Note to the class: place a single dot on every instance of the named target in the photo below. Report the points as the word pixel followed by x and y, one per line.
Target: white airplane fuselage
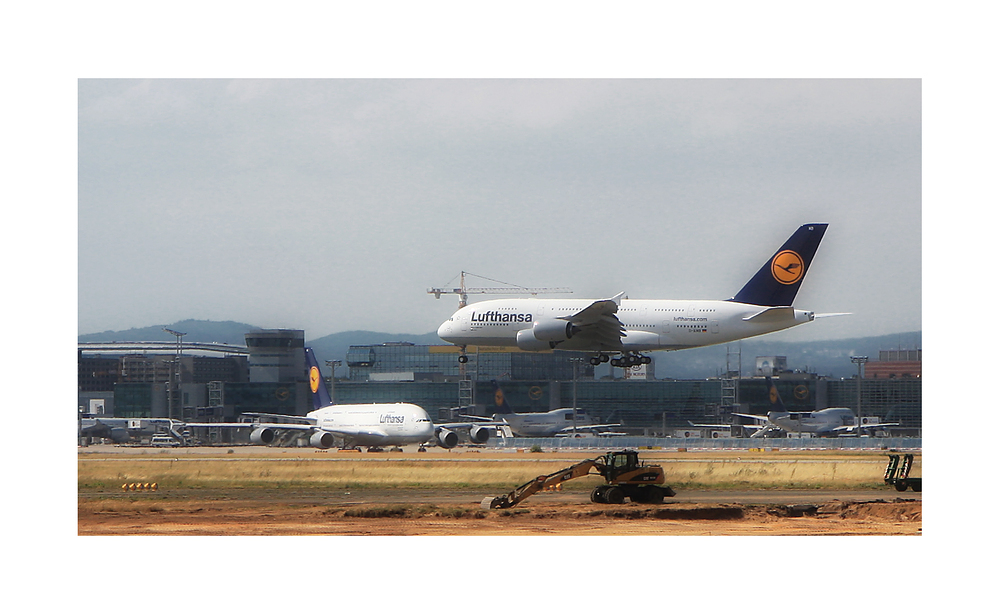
pixel 546 424
pixel 376 424
pixel 822 422
pixel 649 324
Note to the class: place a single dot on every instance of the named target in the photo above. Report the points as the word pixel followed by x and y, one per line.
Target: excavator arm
pixel 624 476
pixel 541 483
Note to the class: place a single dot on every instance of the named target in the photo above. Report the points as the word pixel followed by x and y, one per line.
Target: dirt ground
pixel 254 491
pixel 146 514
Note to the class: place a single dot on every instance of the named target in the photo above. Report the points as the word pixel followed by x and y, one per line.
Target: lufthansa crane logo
pixel 314 379
pixel 498 398
pixel 773 394
pixel 787 267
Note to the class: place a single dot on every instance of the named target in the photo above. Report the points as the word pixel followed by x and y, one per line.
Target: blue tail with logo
pixel 777 282
pixel 499 400
pixel 320 395
pixel 774 397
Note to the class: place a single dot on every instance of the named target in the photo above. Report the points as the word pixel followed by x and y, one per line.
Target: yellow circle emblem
pixel 314 379
pixel 773 394
pixel 498 398
pixel 787 267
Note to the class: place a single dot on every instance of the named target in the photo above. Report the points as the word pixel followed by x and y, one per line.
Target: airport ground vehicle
pixel 163 441
pixel 625 476
pixel 898 474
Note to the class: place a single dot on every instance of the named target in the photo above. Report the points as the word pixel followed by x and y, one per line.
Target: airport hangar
pixel 206 382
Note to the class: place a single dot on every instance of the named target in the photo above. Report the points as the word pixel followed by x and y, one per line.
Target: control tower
pixel 277 355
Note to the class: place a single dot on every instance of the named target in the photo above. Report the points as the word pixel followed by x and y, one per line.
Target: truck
pixel 897 474
pixel 624 476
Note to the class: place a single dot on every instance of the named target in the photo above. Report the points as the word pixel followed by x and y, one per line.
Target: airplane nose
pixel 444 331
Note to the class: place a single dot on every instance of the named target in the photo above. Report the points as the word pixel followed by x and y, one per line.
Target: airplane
pixel 839 421
pixel 373 425
pixel 554 423
pixel 627 327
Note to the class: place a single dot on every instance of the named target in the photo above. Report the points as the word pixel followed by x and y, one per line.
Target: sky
pixel 334 204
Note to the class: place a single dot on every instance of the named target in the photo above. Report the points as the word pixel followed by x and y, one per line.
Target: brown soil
pixel 148 514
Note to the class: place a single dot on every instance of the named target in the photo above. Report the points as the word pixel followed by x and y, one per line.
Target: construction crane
pixel 463 292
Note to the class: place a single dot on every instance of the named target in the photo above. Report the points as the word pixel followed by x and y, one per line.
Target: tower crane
pixel 463 292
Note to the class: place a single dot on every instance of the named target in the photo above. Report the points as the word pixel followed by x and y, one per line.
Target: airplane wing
pixel 483 418
pixel 466 425
pixel 253 425
pixel 752 417
pixel 598 324
pixel 871 425
pixel 589 427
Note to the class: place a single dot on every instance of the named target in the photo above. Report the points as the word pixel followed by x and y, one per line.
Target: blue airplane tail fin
pixel 320 395
pixel 499 400
pixel 774 397
pixel 777 282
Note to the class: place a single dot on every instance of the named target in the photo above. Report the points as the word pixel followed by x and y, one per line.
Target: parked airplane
pixel 375 424
pixel 618 325
pixel 825 422
pixel 554 423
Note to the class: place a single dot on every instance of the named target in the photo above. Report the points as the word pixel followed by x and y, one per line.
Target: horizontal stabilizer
pixel 772 314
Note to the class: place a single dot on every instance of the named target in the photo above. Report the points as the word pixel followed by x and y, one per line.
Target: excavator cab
pixel 617 463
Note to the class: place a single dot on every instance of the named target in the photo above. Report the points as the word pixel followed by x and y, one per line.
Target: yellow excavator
pixel 624 475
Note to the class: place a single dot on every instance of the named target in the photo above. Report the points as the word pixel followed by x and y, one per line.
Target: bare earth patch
pixel 251 516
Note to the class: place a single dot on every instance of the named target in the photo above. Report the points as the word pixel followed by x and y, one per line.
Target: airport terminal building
pixel 269 376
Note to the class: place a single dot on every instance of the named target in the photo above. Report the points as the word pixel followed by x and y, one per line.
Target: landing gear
pixel 631 359
pixel 462 356
pixel 596 360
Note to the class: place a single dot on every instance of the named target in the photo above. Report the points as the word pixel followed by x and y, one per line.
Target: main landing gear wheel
pixel 631 360
pixel 596 360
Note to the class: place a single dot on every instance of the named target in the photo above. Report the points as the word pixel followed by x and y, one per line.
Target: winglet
pixel 320 395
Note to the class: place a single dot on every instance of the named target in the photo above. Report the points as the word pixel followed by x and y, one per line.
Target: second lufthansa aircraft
pixel 629 328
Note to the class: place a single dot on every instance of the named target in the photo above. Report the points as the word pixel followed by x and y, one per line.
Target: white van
pixel 163 441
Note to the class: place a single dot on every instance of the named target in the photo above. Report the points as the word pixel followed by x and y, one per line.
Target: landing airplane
pixel 832 421
pixel 554 423
pixel 618 325
pixel 375 424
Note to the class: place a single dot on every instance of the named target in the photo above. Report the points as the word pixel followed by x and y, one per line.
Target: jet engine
pixel 526 341
pixel 321 439
pixel 553 330
pixel 479 434
pixel 262 436
pixel 446 438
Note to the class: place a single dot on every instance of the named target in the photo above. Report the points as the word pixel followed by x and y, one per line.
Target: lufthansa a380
pixel 629 328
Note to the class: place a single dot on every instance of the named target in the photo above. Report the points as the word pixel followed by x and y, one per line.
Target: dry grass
pixel 693 470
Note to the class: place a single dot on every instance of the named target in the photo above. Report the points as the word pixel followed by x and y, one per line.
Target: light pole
pixel 175 374
pixel 333 364
pixel 860 361
pixel 576 364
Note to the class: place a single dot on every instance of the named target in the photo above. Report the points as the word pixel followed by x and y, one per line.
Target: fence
pixel 673 443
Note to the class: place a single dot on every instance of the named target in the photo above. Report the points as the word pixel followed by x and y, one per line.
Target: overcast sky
pixel 333 205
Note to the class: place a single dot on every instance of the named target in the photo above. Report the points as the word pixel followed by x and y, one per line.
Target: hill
pixel 829 357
